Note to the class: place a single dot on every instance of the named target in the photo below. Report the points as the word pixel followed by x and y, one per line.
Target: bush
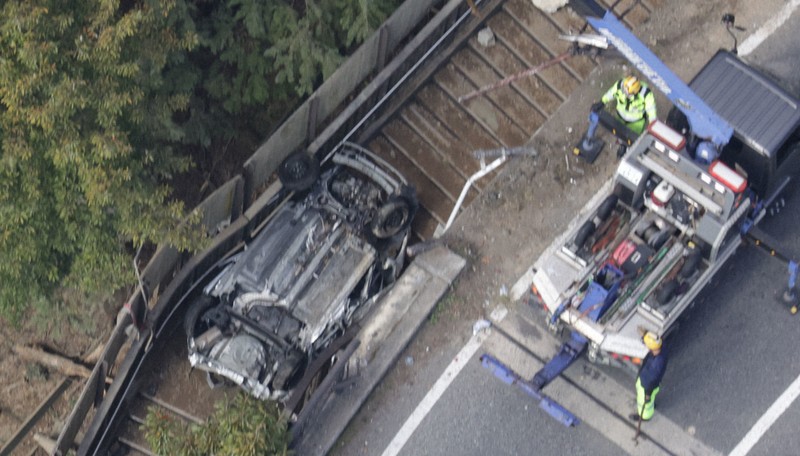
pixel 245 427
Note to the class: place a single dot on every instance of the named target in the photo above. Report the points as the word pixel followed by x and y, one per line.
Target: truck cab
pixel 765 147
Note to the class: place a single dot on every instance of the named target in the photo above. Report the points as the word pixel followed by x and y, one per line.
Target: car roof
pixel 761 112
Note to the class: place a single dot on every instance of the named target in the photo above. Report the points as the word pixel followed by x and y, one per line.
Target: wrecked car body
pixel 317 266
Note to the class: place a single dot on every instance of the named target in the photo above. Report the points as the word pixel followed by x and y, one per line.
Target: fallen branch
pixel 57 362
pixel 45 443
pixel 93 356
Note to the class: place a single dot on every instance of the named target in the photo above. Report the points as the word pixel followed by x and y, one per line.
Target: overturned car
pixel 319 263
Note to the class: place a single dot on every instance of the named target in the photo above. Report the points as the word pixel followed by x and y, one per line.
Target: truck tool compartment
pixel 664 224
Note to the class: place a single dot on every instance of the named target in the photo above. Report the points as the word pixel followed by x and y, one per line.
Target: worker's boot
pixel 621 150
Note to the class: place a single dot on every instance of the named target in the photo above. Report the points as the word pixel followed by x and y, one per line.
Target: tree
pixel 258 58
pixel 100 98
pixel 85 127
pixel 244 427
pixel 309 48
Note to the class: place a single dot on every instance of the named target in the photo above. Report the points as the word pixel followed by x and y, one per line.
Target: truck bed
pixel 663 259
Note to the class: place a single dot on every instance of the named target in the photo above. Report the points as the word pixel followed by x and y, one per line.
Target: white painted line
pixel 768 419
pixel 436 392
pixel 522 285
pixel 752 41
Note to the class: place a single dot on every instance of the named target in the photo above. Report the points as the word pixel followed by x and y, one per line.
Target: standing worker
pixel 636 104
pixel 649 379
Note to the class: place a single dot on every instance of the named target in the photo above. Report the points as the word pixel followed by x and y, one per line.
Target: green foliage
pixel 35 372
pixel 442 307
pixel 256 59
pixel 357 19
pixel 99 98
pixel 309 49
pixel 85 123
pixel 244 427
pixel 64 313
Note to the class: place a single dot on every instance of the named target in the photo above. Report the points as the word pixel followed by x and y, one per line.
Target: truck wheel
pixel 299 171
pixel 606 207
pixel 584 232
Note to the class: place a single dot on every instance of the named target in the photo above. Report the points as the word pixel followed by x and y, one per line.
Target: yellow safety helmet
pixel 652 341
pixel 631 86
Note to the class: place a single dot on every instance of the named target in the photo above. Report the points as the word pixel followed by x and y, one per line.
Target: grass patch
pixel 67 314
pixel 35 372
pixel 443 307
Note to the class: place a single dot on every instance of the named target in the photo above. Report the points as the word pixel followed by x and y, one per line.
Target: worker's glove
pixel 598 106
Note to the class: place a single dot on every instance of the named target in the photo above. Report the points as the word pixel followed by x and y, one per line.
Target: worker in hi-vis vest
pixel 635 104
pixel 648 382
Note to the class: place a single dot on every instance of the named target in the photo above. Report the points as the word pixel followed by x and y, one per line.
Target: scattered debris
pixel 486 37
pixel 57 362
pixel 479 326
pixel 549 6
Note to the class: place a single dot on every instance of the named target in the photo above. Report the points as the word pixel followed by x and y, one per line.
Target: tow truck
pixel 686 195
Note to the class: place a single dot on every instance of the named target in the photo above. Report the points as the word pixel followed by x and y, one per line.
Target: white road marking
pixel 752 41
pixel 436 392
pixel 768 419
pixel 787 398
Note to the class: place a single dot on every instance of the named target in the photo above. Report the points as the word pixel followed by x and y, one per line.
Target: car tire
pixel 192 321
pixel 299 171
pixel 392 218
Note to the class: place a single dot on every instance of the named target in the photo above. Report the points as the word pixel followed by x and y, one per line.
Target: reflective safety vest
pixel 632 109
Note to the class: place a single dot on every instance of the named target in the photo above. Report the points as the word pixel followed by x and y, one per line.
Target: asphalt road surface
pixel 732 359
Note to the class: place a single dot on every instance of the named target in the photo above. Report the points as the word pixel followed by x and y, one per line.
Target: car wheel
pixel 193 322
pixel 392 218
pixel 299 171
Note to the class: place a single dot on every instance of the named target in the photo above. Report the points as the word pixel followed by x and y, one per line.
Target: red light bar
pixel 727 176
pixel 667 135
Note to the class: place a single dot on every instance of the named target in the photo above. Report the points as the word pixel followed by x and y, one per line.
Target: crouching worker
pixel 635 104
